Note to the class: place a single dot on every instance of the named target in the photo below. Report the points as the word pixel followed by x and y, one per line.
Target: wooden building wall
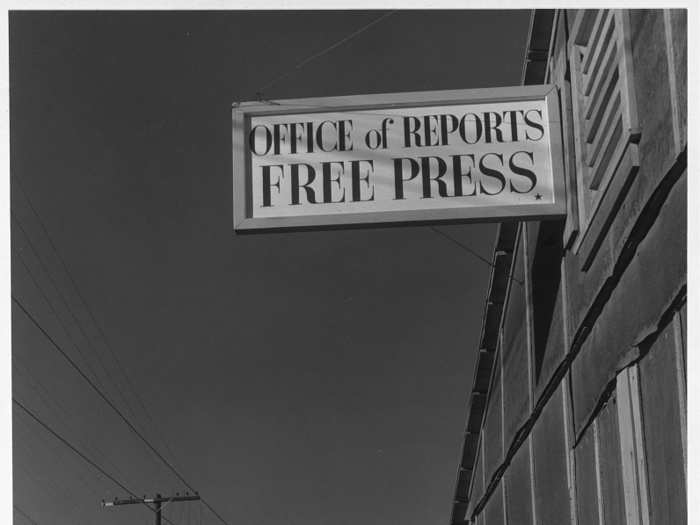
pixel 583 421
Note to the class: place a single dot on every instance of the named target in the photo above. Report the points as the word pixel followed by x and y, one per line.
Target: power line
pixel 76 321
pixel 55 313
pixel 463 246
pixel 41 484
pixel 87 379
pixel 471 251
pixel 105 340
pixel 112 405
pixel 23 513
pixel 44 483
pixel 323 52
pixel 59 459
pixel 334 109
pixel 46 299
pixel 56 491
pixel 65 329
pixel 52 404
pixel 79 453
pixel 58 317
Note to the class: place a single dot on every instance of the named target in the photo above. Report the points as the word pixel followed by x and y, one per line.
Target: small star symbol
pixel 538 197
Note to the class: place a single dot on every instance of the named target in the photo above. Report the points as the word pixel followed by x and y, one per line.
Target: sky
pixel 298 378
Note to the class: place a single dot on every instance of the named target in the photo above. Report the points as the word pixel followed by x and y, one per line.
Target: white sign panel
pixel 436 156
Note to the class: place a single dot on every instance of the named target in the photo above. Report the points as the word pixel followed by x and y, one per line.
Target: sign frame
pixel 243 221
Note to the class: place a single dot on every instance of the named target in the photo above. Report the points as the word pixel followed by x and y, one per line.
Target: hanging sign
pixel 481 155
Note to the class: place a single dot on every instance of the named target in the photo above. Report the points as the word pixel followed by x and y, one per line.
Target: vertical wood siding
pixel 518 487
pixel 610 466
pixel 515 354
pixel 586 481
pixel 663 446
pixel 550 454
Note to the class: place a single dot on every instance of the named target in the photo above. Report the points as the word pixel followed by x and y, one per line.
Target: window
pixel 605 125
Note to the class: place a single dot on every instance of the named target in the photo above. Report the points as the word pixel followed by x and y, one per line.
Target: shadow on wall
pixel 546 279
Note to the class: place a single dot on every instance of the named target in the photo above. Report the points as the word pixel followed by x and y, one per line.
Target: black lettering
pixel 268 140
pixel 464 127
pixel 267 183
pixel 488 127
pixel 311 173
pixel 278 137
pixel 293 137
pixel 407 131
pixel 524 172
pixel 458 174
pixel 319 136
pixel 442 169
pixel 398 175
pixel 344 140
pixel 430 132
pixel 533 124
pixel 328 180
pixel 357 178
pixel 310 137
pixel 513 121
pixel 444 130
pixel 368 138
pixel 490 172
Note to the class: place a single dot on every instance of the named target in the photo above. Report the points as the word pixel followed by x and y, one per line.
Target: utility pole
pixel 157 501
